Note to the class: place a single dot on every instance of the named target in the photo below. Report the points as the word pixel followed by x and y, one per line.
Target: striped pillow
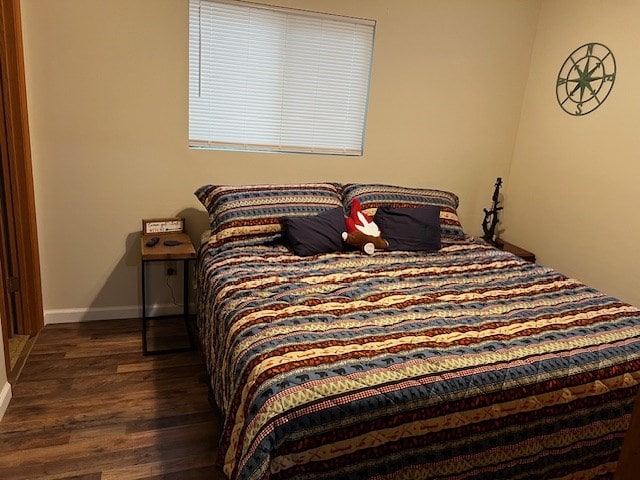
pixel 372 196
pixel 251 214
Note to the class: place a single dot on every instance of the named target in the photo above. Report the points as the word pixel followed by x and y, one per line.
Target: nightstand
pixel 520 252
pixel 184 251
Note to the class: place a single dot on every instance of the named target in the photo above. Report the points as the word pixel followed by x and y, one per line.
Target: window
pixel 276 79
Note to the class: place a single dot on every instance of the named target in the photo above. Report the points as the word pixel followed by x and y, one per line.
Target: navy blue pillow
pixel 415 229
pixel 320 233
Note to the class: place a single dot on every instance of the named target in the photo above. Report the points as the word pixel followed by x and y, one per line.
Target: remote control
pixel 172 243
pixel 152 241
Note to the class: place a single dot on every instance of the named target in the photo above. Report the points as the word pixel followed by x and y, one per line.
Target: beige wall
pixel 573 192
pixel 107 95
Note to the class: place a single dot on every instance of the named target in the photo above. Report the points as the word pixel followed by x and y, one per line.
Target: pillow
pixel 372 196
pixel 321 233
pixel 251 214
pixel 416 229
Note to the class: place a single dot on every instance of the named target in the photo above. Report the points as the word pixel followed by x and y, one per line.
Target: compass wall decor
pixel 586 79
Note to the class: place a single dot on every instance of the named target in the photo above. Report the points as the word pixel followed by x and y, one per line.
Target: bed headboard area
pixel 253 214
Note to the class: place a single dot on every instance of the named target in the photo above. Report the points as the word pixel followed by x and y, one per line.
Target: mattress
pixel 463 363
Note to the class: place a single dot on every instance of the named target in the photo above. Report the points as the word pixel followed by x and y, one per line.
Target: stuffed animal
pixel 362 232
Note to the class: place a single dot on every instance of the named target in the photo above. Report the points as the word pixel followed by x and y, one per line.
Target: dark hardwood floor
pixel 88 405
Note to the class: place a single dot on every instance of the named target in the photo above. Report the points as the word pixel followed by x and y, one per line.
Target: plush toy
pixel 362 232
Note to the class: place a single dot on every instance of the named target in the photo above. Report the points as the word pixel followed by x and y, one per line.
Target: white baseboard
pixel 73 315
pixel 5 398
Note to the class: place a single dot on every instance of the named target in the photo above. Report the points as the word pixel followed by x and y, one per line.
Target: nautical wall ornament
pixel 586 79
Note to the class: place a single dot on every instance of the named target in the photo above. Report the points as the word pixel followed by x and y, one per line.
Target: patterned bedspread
pixel 466 363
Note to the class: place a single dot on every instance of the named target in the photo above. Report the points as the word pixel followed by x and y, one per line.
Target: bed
pixel 460 362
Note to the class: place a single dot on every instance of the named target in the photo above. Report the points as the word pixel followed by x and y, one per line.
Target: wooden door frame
pixel 7 313
pixel 22 230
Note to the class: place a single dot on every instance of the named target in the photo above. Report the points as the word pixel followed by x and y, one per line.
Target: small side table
pixel 184 251
pixel 520 252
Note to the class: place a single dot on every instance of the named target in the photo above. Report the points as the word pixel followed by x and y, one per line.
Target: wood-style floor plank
pixel 89 406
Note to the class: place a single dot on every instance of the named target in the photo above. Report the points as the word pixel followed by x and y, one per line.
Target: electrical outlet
pixel 171 268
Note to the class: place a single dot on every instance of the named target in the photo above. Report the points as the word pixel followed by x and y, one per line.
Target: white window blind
pixel 270 78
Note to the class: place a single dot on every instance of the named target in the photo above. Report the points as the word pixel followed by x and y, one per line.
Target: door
pixel 21 309
pixel 8 252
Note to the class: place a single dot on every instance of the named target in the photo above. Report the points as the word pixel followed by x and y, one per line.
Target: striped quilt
pixel 466 363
